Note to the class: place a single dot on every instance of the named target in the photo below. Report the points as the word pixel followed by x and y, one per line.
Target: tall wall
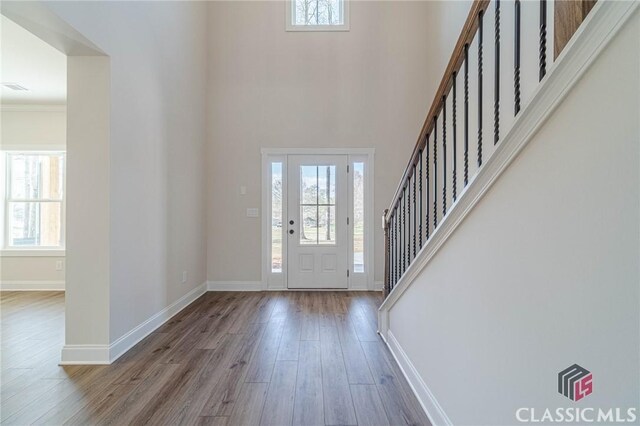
pixel 544 272
pixel 157 54
pixel 368 87
pixel 35 128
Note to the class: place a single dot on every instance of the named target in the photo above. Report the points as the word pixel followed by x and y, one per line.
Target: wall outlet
pixel 59 265
pixel 252 212
pixel 243 190
pixel 184 277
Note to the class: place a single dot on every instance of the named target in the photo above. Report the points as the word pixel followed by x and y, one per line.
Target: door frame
pixel 278 280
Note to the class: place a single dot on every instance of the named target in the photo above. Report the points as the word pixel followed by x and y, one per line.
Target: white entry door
pixel 317 221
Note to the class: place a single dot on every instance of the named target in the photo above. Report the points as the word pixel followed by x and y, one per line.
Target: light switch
pixel 243 190
pixel 252 212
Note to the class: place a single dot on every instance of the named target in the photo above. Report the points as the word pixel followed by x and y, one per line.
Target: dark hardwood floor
pixel 271 358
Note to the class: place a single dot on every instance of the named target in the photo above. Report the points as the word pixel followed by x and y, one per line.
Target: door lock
pixel 291 231
pixel 291 222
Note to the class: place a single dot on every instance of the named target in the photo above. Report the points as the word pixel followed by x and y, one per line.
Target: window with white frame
pixel 34 200
pixel 317 15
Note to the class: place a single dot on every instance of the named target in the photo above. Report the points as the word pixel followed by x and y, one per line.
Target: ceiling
pixel 33 64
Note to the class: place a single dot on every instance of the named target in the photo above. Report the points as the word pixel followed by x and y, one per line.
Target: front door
pixel 317 221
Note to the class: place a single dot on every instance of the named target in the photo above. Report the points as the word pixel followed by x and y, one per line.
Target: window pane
pixel 309 184
pixel 35 224
pixel 317 12
pixel 308 225
pixel 36 176
pixel 276 217
pixel 327 225
pixel 327 184
pixel 358 217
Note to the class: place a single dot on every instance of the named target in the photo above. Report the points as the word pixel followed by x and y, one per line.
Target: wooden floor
pixel 301 358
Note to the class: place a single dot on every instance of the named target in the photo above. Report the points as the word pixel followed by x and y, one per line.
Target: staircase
pixel 513 75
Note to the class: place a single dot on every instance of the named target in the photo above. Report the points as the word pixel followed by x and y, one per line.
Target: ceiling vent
pixel 14 86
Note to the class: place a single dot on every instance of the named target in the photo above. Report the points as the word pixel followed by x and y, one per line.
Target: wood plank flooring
pixel 265 358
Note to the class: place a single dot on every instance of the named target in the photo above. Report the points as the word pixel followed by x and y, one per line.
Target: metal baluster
pixel 435 173
pixel 480 88
pixel 408 201
pixel 415 212
pixel 455 137
pixel 392 248
pixel 444 156
pixel 421 201
pixel 427 185
pixel 396 243
pixel 496 83
pixel 466 114
pixel 543 38
pixel 516 72
pixel 404 228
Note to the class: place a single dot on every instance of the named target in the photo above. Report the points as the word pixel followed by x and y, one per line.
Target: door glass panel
pixel 358 217
pixel 309 185
pixel 318 205
pixel 327 224
pixel 308 225
pixel 276 217
pixel 326 184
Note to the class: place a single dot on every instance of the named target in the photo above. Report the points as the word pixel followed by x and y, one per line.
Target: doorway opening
pixel 317 221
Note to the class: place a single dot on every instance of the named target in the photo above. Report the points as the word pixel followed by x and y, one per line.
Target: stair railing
pixel 420 202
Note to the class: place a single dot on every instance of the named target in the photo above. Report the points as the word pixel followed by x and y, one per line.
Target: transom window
pixel 34 200
pixel 317 15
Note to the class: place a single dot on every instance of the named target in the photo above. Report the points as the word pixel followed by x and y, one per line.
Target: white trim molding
pixel 429 404
pixel 106 354
pixel 234 286
pixel 604 21
pixel 129 340
pixel 37 285
pixel 85 355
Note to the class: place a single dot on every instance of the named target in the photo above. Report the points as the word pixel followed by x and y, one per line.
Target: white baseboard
pixel 378 286
pixel 234 286
pixel 129 340
pixel 429 404
pixel 106 354
pixel 84 354
pixel 40 285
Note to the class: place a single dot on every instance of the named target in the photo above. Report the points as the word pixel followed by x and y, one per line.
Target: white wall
pixel 157 55
pixel 32 128
pixel 544 272
pixel 271 88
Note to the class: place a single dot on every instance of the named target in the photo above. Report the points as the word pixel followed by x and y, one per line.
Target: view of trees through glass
pixel 318 12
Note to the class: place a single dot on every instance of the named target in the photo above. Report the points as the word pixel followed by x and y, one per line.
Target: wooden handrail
pixel 455 62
